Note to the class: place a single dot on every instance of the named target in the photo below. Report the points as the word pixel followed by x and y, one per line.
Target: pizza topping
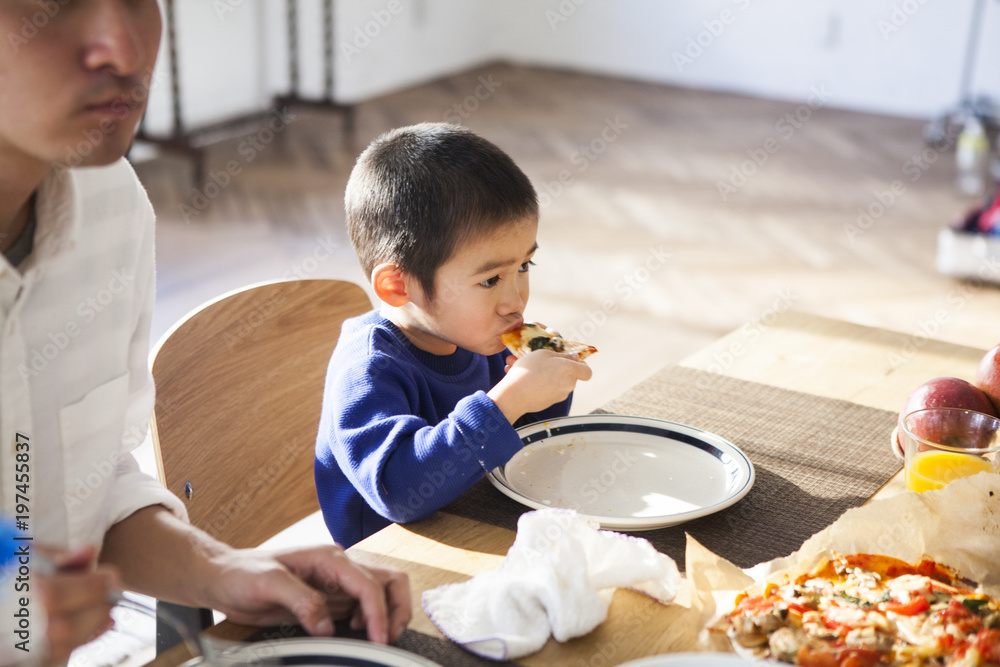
pixel 530 337
pixel 916 605
pixel 553 343
pixel 866 610
pixel 784 643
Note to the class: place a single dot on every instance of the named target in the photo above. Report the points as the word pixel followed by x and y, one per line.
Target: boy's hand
pixel 536 381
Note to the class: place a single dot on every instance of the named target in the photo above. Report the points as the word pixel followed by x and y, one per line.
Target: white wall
pixel 901 57
pixel 233 53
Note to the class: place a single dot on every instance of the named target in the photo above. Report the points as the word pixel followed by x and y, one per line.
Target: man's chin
pixel 97 149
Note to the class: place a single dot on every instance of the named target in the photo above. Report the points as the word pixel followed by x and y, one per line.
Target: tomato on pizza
pixel 865 610
pixel 531 336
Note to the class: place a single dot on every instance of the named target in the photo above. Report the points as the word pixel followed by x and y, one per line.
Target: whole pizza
pixel 864 610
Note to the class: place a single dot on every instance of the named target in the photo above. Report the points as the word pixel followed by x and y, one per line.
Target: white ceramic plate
pixel 626 473
pixel 318 651
pixel 694 660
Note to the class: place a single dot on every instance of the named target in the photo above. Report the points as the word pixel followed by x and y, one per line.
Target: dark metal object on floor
pixel 192 141
pixel 945 128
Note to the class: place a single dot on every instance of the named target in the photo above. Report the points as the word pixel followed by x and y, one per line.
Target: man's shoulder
pixel 118 179
pixel 103 192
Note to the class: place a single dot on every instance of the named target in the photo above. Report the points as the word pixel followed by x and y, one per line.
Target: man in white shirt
pixel 76 296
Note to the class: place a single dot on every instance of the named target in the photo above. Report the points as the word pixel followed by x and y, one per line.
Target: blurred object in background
pixel 971 250
pixel 972 155
pixel 982 109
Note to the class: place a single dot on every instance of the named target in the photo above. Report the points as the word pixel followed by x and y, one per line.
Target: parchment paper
pixel 958 526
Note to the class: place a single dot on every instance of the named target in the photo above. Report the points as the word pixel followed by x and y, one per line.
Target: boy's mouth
pixel 516 326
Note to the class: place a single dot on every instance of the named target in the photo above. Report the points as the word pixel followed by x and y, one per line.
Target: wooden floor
pixel 669 217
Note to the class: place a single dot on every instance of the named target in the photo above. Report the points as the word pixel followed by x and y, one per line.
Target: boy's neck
pixel 417 335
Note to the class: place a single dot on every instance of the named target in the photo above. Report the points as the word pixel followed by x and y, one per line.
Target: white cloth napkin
pixel 557 579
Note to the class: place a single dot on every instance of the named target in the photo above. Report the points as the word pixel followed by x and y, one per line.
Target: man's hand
pixel 160 555
pixel 314 587
pixel 536 381
pixel 77 601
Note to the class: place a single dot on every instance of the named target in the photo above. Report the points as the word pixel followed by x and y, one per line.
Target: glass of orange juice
pixel 943 444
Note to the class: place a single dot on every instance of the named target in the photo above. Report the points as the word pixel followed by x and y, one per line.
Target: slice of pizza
pixel 866 610
pixel 531 337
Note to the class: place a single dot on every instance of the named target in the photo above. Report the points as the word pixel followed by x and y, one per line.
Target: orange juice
pixel 927 471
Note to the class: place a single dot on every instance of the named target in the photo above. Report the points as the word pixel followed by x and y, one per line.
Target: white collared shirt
pixel 76 394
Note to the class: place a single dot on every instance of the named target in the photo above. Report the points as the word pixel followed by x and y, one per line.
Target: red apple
pixel 988 376
pixel 944 392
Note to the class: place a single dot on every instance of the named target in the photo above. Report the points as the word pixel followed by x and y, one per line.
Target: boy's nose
pixel 514 299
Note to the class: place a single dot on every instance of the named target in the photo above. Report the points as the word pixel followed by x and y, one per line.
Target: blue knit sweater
pixel 404 432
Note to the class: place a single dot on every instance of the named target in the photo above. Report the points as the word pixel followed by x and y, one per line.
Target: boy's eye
pixel 524 267
pixel 490 282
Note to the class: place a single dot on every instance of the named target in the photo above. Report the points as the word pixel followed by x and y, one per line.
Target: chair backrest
pixel 239 386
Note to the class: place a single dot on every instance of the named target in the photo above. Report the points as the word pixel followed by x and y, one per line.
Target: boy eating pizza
pixel 420 398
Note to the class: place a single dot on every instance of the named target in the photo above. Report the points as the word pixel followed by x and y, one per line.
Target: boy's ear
pixel 389 284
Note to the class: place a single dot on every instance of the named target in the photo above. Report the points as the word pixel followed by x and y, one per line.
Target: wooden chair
pixel 239 387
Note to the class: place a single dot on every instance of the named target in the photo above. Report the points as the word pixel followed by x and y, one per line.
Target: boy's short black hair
pixel 418 192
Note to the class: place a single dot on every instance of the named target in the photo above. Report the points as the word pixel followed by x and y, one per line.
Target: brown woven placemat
pixel 435 649
pixel 814 458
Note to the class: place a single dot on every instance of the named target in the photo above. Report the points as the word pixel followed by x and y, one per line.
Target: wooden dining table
pixel 792 355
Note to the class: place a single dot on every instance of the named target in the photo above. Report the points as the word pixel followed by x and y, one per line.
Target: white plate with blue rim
pixel 316 652
pixel 625 473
